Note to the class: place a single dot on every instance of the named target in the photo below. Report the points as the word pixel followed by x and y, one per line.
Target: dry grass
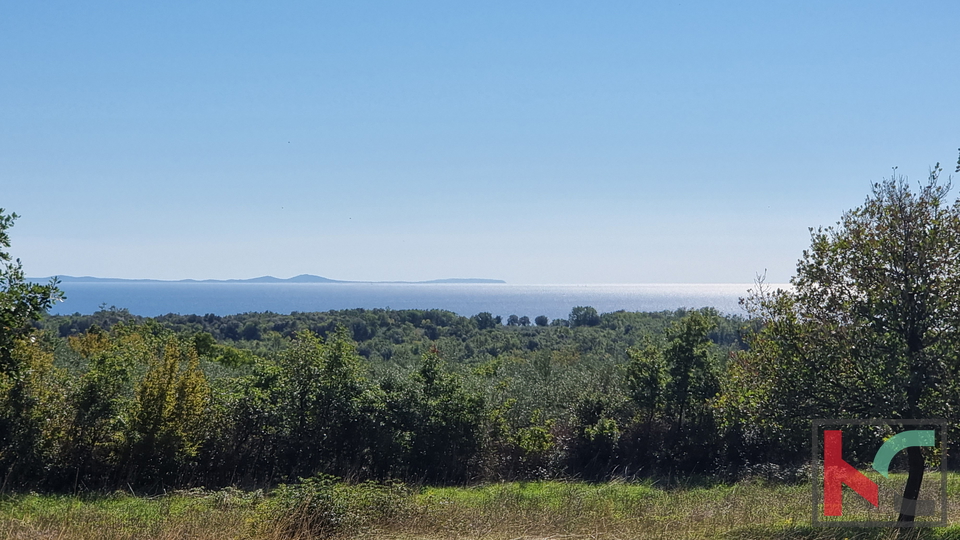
pixel 535 510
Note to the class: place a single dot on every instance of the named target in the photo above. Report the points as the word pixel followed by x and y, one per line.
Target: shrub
pixel 323 507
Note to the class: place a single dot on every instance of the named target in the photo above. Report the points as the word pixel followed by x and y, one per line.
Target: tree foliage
pixel 674 384
pixel 169 409
pixel 871 328
pixel 21 301
pixel 29 411
pixel 584 316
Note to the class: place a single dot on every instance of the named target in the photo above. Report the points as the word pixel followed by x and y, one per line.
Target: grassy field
pixel 541 510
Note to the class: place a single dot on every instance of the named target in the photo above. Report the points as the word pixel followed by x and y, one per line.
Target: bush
pixel 323 507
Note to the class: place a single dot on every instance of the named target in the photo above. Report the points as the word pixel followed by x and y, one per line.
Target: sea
pixel 151 299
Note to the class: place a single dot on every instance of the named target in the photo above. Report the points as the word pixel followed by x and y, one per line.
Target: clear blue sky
pixel 536 142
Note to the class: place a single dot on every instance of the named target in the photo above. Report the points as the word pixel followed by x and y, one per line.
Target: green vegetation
pixel 213 409
pixel 416 396
pixel 870 330
pixel 321 508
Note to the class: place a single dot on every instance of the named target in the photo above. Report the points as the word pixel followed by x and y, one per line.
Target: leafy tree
pixel 205 345
pixel 171 400
pixel 31 414
pixel 20 300
pixel 584 316
pixel 250 332
pixel 647 375
pixel 513 320
pixel 692 365
pixel 446 433
pixel 535 444
pixel 524 321
pixel 99 402
pixel 485 320
pixel 596 443
pixel 871 328
pixel 28 386
pixel 541 320
pixel 321 398
pixel 674 385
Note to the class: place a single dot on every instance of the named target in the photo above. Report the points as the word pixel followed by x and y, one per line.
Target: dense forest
pixel 870 329
pixel 416 395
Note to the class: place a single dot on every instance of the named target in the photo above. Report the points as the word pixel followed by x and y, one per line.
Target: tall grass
pixel 322 508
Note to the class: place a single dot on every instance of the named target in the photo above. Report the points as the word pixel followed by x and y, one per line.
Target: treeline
pixel 112 400
pixel 401 337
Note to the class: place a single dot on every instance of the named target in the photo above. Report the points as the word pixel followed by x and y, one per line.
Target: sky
pixel 534 142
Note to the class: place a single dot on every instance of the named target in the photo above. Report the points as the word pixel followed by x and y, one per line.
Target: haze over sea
pixel 554 301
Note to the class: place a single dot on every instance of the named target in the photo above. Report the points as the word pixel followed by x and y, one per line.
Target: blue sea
pixel 555 301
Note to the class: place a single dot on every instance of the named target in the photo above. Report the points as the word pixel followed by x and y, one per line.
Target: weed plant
pixel 322 507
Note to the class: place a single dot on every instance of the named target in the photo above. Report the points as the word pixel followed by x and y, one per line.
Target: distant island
pixel 302 278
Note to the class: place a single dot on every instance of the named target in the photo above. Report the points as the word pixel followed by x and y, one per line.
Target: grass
pixel 120 516
pixel 519 510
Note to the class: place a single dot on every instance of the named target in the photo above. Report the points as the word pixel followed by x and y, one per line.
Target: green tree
pixel 28 380
pixel 99 402
pixel 596 443
pixel 678 378
pixel 584 316
pixel 32 412
pixel 485 320
pixel 169 410
pixel 20 300
pixel 647 378
pixel 445 425
pixel 871 328
pixel 693 366
pixel 322 402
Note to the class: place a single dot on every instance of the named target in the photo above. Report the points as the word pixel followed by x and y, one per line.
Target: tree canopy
pixel 871 327
pixel 872 324
pixel 20 300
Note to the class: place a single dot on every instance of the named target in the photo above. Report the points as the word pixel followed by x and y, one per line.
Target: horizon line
pixel 325 280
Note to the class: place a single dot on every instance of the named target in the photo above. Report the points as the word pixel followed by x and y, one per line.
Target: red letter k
pixel 836 472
